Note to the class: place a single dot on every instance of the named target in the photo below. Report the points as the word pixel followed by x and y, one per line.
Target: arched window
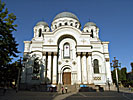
pixel 92 35
pixel 96 66
pixel 66 23
pixel 71 24
pixel 87 31
pixel 55 26
pixel 40 32
pixel 66 49
pixel 60 24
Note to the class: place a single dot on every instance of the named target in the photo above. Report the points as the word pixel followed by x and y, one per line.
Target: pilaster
pixel 84 68
pixel 49 67
pixel 54 68
pixel 79 67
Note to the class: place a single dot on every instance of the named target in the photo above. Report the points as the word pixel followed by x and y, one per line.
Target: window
pixel 96 66
pixel 55 26
pixel 36 66
pixel 66 50
pixel 87 31
pixel 66 23
pixel 60 24
pixel 92 35
pixel 71 24
pixel 40 32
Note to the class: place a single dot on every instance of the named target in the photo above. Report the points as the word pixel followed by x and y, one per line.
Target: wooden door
pixel 66 78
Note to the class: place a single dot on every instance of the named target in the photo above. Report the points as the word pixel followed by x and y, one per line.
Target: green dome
pixel 89 24
pixel 65 14
pixel 42 23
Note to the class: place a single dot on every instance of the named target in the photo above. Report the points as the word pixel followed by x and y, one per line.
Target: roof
pixel 42 23
pixel 66 14
pixel 89 24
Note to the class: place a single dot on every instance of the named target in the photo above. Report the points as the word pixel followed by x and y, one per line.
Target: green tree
pixel 8 45
pixel 132 66
pixel 124 76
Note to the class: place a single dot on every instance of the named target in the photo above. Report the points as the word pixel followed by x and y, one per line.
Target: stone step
pixel 70 88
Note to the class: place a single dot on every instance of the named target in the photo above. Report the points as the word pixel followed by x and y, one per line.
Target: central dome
pixel 65 14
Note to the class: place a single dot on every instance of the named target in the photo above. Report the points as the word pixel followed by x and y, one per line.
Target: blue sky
pixel 113 17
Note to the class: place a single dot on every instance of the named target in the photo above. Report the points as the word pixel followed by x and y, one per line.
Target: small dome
pixel 89 24
pixel 66 14
pixel 42 23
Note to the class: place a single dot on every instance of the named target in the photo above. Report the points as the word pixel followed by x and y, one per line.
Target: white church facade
pixel 65 54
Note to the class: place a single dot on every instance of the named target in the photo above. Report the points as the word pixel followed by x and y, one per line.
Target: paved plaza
pixel 30 95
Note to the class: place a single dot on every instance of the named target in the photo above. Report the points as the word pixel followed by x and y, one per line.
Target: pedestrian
pixel 5 89
pixel 62 90
pixel 129 88
pixel 66 89
pixel 16 88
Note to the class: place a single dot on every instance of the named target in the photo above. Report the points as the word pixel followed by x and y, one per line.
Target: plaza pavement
pixel 30 95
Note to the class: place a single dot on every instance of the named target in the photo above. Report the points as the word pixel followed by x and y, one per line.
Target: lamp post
pixel 115 66
pixel 18 74
pixel 108 83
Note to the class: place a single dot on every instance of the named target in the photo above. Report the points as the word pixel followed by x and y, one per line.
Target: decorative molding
pixel 50 40
pixel 107 59
pixel 55 53
pixel 83 41
pixel 78 53
pixel 59 63
pixel 97 78
pixel 74 63
pixel 89 54
pixel 36 51
pixel 66 61
pixel 44 53
pixel 49 53
pixel 84 54
pixel 84 45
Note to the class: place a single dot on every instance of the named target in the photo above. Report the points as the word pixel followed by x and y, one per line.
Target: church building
pixel 64 54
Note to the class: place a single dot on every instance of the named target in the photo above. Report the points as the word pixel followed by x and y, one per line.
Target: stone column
pixel 90 69
pixel 54 68
pixel 43 68
pixel 79 68
pixel 59 78
pixel 49 67
pixel 84 68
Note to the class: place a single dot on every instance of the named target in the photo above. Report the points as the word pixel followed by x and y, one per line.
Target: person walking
pixel 5 89
pixel 62 90
pixel 66 89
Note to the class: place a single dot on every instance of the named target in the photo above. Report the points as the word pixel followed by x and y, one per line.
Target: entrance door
pixel 66 78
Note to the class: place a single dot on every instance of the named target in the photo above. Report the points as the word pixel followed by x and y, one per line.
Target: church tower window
pixel 96 66
pixel 40 32
pixel 71 24
pixel 60 24
pixel 92 35
pixel 66 23
pixel 66 50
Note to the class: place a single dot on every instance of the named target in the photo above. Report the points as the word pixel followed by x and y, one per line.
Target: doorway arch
pixel 66 76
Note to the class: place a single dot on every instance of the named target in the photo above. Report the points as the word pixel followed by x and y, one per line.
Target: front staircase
pixel 77 88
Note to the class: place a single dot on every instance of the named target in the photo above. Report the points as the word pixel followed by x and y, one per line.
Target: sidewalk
pixel 63 96
pixel 126 90
pixel 26 95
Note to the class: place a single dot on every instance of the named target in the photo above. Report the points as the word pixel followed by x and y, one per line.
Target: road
pixel 100 96
pixel 30 95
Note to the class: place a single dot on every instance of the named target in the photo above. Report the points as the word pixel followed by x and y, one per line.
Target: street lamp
pixel 108 83
pixel 115 66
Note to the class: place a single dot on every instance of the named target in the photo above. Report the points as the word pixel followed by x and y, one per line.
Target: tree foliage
pixel 8 45
pixel 132 66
